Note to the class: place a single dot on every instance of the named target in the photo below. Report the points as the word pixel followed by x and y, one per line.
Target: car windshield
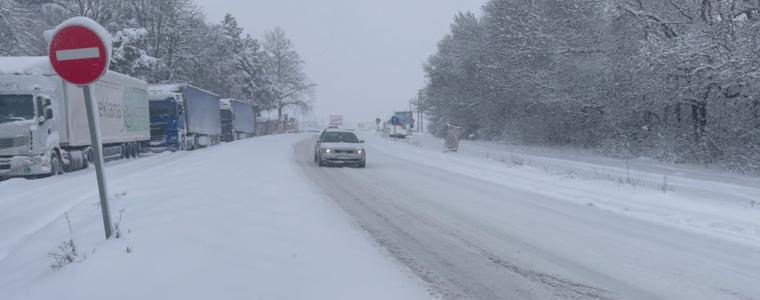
pixel 339 137
pixel 16 108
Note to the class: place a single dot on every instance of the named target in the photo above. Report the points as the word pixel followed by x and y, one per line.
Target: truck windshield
pixel 16 108
pixel 226 115
pixel 339 137
pixel 162 109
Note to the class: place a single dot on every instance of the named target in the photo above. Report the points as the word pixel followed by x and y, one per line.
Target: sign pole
pixel 97 147
pixel 79 51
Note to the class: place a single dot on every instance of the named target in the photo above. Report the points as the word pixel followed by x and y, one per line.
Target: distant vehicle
pixel 340 147
pixel 406 118
pixel 336 121
pixel 238 119
pixel 183 117
pixel 43 120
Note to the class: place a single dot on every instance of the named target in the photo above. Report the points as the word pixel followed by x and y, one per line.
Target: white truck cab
pixel 28 136
pixel 43 121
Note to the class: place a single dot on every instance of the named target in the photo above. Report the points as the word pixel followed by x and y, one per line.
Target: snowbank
pixel 236 221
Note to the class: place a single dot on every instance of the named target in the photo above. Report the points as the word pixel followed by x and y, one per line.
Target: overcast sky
pixel 365 55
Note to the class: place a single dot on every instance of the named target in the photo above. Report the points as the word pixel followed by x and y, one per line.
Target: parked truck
pixel 183 117
pixel 43 120
pixel 238 119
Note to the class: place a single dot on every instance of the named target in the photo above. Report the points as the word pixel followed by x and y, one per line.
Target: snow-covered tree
pixel 20 29
pixel 170 40
pixel 671 79
pixel 290 87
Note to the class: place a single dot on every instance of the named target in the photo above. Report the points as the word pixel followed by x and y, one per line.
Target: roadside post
pixel 377 121
pixel 80 52
pixel 451 143
pixel 395 121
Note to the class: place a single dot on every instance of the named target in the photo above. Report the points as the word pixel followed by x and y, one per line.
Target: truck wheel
pixel 138 150
pixel 89 155
pixel 85 160
pixel 130 151
pixel 56 167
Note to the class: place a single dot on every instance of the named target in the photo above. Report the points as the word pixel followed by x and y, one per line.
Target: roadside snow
pixel 721 205
pixel 236 221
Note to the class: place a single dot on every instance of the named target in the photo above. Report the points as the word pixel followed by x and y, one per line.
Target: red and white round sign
pixel 79 52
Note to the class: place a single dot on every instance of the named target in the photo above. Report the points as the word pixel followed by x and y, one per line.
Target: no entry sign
pixel 80 51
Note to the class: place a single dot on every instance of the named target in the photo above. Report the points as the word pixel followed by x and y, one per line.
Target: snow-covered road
pixel 257 219
pixel 236 221
pixel 527 235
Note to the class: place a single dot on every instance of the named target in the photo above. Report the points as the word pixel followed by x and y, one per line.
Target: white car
pixel 339 147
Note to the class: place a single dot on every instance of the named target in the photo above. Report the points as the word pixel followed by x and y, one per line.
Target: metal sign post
pixel 80 52
pixel 97 147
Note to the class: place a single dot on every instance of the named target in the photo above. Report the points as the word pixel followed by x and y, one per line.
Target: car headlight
pixel 327 150
pixel 360 151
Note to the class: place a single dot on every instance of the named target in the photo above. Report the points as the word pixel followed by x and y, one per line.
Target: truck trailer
pixel 183 117
pixel 43 120
pixel 238 119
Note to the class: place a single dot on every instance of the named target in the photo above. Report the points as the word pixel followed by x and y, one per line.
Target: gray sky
pixel 366 55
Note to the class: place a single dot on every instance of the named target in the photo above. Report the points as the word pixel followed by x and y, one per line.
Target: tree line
pixel 171 41
pixel 676 79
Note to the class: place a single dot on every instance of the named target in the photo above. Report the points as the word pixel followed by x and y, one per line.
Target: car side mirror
pixel 48 113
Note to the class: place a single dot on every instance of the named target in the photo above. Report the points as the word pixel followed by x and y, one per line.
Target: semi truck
pixel 335 121
pixel 238 119
pixel 43 120
pixel 183 117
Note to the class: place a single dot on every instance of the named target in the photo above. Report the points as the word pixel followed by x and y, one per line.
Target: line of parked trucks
pixel 43 122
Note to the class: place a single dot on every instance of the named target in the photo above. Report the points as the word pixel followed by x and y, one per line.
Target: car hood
pixel 341 146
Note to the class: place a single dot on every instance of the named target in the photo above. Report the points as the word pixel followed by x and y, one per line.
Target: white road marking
pixel 75 54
